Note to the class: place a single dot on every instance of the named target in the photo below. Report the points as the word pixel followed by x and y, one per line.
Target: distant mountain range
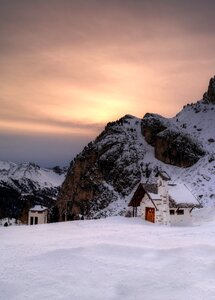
pixel 103 177
pixel 23 185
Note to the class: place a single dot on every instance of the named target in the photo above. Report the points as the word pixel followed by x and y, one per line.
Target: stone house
pixel 37 215
pixel 164 203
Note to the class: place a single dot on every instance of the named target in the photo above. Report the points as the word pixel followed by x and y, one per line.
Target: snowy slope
pixel 109 259
pixel 199 178
pixel 199 122
pixel 29 172
pixel 24 185
pixel 107 172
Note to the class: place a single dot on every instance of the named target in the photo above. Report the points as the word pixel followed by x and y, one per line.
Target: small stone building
pixel 164 203
pixel 37 215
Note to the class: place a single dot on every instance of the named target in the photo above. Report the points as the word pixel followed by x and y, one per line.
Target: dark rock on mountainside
pixel 130 150
pixel 25 185
pixel 106 169
pixel 15 205
pixel 111 166
pixel 210 94
pixel 175 148
pixel 171 145
pixel 151 125
pixel 101 179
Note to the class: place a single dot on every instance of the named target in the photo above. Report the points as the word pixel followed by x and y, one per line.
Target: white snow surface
pixel 196 121
pixel 109 259
pixel 154 196
pixel 41 177
pixel 181 194
pixel 199 122
pixel 38 208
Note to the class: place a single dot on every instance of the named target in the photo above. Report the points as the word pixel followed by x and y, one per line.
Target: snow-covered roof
pixel 140 192
pixel 38 208
pixel 154 196
pixel 180 194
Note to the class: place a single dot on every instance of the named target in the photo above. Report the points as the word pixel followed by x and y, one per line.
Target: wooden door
pixel 150 214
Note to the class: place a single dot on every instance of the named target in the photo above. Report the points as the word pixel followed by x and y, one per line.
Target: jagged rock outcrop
pixel 105 170
pixel 210 94
pixel 171 144
pixel 151 125
pixel 175 148
pixel 102 177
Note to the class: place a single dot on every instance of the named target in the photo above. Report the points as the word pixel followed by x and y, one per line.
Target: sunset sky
pixel 68 67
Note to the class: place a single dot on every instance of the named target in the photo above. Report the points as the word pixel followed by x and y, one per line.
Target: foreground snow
pixel 114 258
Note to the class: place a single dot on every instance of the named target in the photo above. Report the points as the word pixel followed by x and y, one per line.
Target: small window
pixel 172 212
pixel 180 212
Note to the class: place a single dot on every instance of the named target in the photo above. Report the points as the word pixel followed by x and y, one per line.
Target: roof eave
pixel 184 205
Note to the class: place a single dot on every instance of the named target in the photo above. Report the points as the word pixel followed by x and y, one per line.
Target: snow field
pixel 114 258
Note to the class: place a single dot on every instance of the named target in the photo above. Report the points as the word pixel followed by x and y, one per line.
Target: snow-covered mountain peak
pixel 23 172
pixel 104 175
pixel 26 184
pixel 102 178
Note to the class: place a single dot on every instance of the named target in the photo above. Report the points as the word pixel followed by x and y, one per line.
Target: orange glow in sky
pixel 69 67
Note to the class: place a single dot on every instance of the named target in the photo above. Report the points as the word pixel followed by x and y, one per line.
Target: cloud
pixel 28 118
pixel 71 66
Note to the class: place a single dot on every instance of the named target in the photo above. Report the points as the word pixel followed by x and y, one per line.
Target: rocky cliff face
pixel 102 178
pixel 171 144
pixel 210 94
pixel 105 171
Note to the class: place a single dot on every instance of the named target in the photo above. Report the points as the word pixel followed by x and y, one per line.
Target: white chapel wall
pixel 181 220
pixel 42 217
